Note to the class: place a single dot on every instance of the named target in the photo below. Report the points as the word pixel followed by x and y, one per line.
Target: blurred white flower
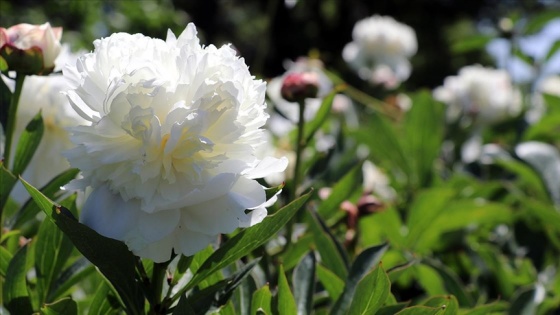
pixel 170 148
pixel 376 182
pixel 380 50
pixel 45 93
pixel 484 95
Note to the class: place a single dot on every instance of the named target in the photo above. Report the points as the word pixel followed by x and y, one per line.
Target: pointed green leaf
pixel 75 273
pixel 247 240
pixel 52 250
pixel 218 293
pixel 5 257
pixel 294 253
pixel 371 292
pixel 104 301
pixel 422 144
pixel 332 283
pixel 392 309
pixel 537 22
pixel 304 284
pixel 28 143
pixel 332 254
pixel 15 295
pixel 50 190
pixel 422 310
pixel 366 260
pixel 262 300
pixel 553 50
pixel 115 261
pixel 448 303
pixel 320 117
pixel 286 301
pixel 65 306
pixel 427 206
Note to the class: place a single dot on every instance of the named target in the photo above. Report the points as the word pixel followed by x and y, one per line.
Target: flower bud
pixel 296 87
pixel 29 49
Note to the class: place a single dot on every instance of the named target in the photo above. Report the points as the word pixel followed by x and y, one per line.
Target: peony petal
pixel 267 166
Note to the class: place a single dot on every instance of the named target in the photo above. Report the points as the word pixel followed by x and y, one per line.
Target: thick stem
pixel 11 124
pixel 299 149
pixel 158 276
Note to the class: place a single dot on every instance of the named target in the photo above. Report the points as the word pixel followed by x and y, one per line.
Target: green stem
pixel 11 124
pixel 158 276
pixel 300 145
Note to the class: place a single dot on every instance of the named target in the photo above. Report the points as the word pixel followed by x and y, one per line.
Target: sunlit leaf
pixel 366 260
pixel 371 292
pixel 262 299
pixel 332 283
pixel 65 306
pixel 286 301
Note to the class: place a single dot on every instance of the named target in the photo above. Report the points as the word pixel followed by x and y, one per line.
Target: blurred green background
pixel 268 32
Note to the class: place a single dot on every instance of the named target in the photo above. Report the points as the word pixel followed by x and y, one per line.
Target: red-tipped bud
pixel 298 86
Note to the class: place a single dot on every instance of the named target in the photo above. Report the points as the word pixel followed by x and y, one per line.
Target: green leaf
pixel 112 257
pixel 320 117
pixel 527 178
pixel 553 50
pixel 65 306
pixel 488 309
pixel 384 144
pixel 304 283
pixel 537 22
pixel 392 309
pixel 52 251
pixel 50 190
pixel 427 206
pixel 371 292
pixel 183 307
pixel 5 257
pixel 366 260
pixel 422 310
pixel 247 240
pixel 294 253
pixel 332 283
pixel 459 215
pixel 341 191
pixel 75 273
pixel 104 301
pixel 3 64
pixel 28 143
pixel 332 253
pixel 472 43
pixel 448 303
pixel 286 301
pixel 15 295
pixel 219 293
pixel 422 144
pixel 452 283
pixel 262 299
pixel 8 181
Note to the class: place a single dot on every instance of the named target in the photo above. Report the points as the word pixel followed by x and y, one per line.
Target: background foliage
pixel 458 239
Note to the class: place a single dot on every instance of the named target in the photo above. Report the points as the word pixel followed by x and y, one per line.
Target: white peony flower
pixel 380 50
pixel 45 93
pixel 484 94
pixel 537 109
pixel 171 141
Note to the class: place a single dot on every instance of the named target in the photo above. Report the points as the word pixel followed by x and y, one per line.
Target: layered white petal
pixel 174 136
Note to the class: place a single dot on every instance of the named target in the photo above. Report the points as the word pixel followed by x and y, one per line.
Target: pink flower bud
pixel 30 49
pixel 296 87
